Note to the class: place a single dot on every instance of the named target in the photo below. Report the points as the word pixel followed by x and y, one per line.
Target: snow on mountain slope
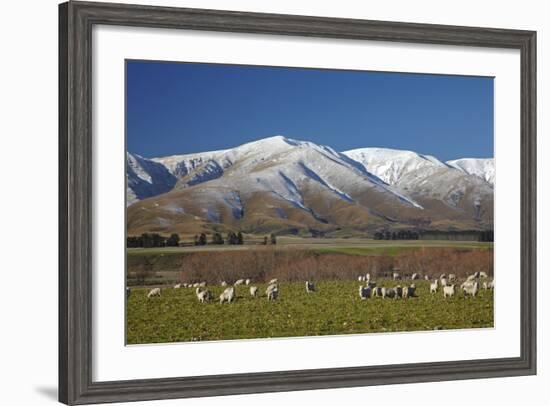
pixel 482 168
pixel 280 165
pixel 146 178
pixel 391 164
pixel 278 183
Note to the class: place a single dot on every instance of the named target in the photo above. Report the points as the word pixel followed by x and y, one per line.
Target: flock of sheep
pixel 227 296
pixel 470 287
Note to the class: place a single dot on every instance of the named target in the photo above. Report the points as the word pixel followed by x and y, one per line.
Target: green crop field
pixel 335 308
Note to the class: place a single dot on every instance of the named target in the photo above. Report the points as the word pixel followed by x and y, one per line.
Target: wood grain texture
pixel 76 20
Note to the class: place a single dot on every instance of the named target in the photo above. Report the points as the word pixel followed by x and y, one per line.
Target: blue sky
pixel 177 108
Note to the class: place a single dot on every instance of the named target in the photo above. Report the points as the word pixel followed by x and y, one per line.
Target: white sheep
pixel 414 276
pixel 470 288
pixel 443 282
pixel 272 291
pixel 196 285
pixel 224 283
pixel 483 275
pixel 434 286
pixel 489 285
pixel 364 292
pixel 427 277
pixel 154 292
pixel 253 291
pixel 443 276
pixel 471 278
pixel 452 277
pixel 177 286
pixel 239 282
pixel 448 291
pixel 203 295
pixel 310 287
pixel 360 278
pixel 247 281
pixel 367 277
pixel 202 284
pixel 227 295
pixel 396 276
pixel 273 281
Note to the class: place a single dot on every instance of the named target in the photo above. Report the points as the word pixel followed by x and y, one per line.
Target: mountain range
pixel 287 186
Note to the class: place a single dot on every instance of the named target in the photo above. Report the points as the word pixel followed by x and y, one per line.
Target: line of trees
pixel 396 235
pixel 152 240
pixel 452 235
pixel 217 239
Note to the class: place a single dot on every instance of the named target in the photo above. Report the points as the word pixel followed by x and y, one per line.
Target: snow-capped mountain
pixel 145 178
pixel 391 164
pixel 286 185
pixel 483 168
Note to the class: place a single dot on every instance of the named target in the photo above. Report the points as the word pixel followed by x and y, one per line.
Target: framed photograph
pixel 259 202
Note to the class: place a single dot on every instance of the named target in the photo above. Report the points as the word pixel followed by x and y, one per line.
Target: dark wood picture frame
pixel 76 20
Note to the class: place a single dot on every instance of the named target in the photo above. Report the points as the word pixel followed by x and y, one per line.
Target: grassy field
pixel 335 308
pixel 353 246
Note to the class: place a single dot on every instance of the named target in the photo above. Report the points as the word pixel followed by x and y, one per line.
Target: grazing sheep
pixel 443 276
pixel 415 276
pixel 310 287
pixel 202 284
pixel 224 283
pixel 238 282
pixel 364 292
pixel 452 277
pixel 367 277
pixel 227 295
pixel 427 277
pixel 247 281
pixel 253 291
pixel 448 291
pixel 443 282
pixel 377 291
pixel 489 285
pixel 128 292
pixel 196 285
pixel 470 289
pixel 483 275
pixel 203 295
pixel 433 286
pixel 398 292
pixel 471 278
pixel 388 292
pixel 177 286
pixel 360 278
pixel 409 291
pixel 154 292
pixel 396 276
pixel 272 281
pixel 272 291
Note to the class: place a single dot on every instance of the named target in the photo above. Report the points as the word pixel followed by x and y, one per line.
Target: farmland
pixel 335 308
